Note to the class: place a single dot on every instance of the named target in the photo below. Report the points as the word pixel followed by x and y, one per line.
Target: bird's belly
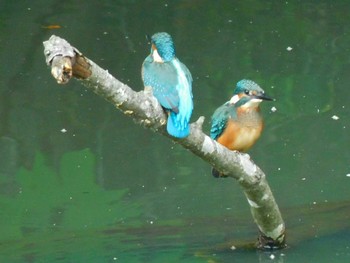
pixel 239 138
pixel 245 139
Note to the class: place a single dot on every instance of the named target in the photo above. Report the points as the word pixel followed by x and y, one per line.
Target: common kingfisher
pixel 171 83
pixel 238 123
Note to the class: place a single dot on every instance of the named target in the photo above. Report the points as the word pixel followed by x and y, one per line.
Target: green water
pixel 80 182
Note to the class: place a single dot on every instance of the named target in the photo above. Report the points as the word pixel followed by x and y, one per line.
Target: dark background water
pixel 80 182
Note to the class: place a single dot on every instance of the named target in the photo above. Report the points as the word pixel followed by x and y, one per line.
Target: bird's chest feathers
pixel 241 134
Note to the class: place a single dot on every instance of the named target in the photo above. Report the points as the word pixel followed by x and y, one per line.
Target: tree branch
pixel 66 61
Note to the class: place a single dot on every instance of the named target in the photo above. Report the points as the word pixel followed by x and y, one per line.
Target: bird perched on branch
pixel 171 83
pixel 238 123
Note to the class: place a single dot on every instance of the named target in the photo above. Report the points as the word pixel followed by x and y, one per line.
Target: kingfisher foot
pixel 217 174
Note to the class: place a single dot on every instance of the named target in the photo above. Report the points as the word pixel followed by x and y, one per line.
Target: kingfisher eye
pixel 247 92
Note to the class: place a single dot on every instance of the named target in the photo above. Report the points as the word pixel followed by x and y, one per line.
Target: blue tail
pixel 176 129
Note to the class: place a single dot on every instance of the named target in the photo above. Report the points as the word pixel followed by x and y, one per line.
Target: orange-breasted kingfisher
pixel 170 82
pixel 238 123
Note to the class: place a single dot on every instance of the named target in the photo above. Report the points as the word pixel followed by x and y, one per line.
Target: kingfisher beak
pixel 263 96
pixel 148 39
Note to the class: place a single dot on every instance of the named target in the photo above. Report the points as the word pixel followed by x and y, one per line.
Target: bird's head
pixel 163 48
pixel 248 94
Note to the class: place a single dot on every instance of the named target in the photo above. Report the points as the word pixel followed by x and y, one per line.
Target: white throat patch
pixel 156 56
pixel 252 103
pixel 234 99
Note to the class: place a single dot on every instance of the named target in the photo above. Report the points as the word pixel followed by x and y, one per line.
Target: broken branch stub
pixel 65 61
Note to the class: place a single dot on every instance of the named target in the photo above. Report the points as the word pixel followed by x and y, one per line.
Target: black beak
pixel 148 38
pixel 263 96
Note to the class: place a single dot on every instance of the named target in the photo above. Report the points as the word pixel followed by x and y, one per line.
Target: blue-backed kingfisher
pixel 170 82
pixel 238 123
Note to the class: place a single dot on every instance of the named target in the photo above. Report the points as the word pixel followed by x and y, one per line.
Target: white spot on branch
pixel 147 121
pixel 208 146
pixel 253 204
pixel 248 167
pixel 265 197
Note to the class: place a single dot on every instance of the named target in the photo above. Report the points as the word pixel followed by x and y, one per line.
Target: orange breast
pixel 240 137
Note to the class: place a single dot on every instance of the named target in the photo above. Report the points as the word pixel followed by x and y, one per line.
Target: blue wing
pixel 162 78
pixel 219 119
pixel 171 83
pixel 184 89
